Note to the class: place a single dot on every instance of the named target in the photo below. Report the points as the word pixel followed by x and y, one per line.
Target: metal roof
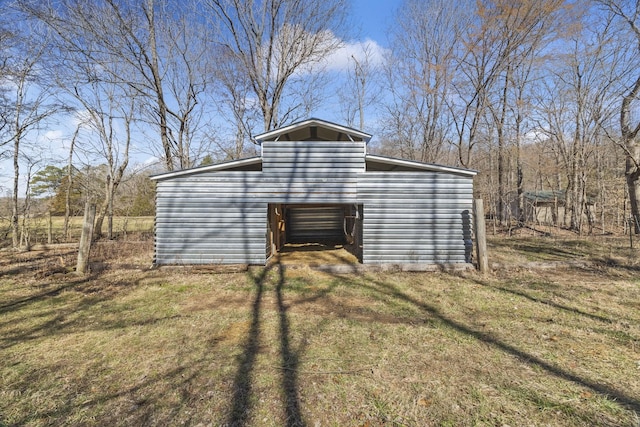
pixel 348 132
pixel 381 162
pixel 552 196
pixel 311 129
pixel 250 161
pixel 392 163
pixel 545 195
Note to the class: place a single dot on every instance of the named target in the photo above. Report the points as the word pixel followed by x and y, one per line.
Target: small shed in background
pixel 314 181
pixel 548 207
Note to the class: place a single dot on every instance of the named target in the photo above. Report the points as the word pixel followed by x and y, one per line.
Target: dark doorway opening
pixel 321 232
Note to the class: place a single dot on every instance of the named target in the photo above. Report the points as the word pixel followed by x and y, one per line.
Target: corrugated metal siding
pixel 221 216
pixel 416 217
pixel 210 219
pixel 311 171
pixel 314 224
pixel 311 157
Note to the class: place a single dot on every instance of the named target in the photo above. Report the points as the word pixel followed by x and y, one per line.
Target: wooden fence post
pixel 481 235
pixel 85 238
pixel 50 229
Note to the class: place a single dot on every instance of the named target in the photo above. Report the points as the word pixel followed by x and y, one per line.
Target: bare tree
pixel 106 111
pixel 521 111
pixel 500 29
pixel 188 63
pixel 30 105
pixel 426 39
pixel 159 47
pixel 70 178
pixel 577 105
pixel 629 13
pixel 540 29
pixel 274 42
pixel 25 232
pixel 359 91
pixel 8 40
pixel 109 117
pixel 234 101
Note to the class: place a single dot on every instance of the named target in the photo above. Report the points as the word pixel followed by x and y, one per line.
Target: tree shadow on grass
pixel 21 302
pixel 39 262
pixel 544 301
pixel 290 359
pixel 391 292
pixel 546 249
pixel 55 314
pixel 142 403
pixel 242 385
pixel 66 317
pixel 241 399
pixel 59 315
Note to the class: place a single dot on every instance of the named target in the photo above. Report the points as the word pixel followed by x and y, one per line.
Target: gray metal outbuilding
pixel 314 181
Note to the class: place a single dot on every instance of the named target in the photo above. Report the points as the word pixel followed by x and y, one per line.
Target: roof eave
pixel 421 165
pixel 344 129
pixel 209 168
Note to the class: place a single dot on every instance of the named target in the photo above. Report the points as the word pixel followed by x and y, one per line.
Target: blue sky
pixel 371 21
pixel 374 18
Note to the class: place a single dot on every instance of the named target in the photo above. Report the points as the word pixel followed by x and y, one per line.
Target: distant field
pixel 279 346
pixel 38 227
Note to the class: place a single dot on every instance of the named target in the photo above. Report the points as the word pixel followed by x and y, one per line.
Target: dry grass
pixel 124 227
pixel 278 346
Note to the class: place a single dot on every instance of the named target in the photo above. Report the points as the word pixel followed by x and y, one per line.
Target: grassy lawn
pixel 291 346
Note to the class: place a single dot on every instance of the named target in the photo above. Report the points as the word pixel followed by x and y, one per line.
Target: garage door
pixel 313 224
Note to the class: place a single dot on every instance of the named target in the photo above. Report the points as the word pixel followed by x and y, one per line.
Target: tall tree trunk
pixel 158 89
pixel 632 173
pixel 104 207
pixel 501 186
pixel 67 196
pixel 14 197
pixel 632 163
pixel 25 235
pixel 576 155
pixel 519 177
pixel 99 220
pixel 239 141
pixel 501 146
pixel 110 219
pixel 556 207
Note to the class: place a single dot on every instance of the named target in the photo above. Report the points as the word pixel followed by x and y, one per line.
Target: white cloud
pixel 54 135
pixel 535 135
pixel 81 117
pixel 367 50
pixel 341 59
